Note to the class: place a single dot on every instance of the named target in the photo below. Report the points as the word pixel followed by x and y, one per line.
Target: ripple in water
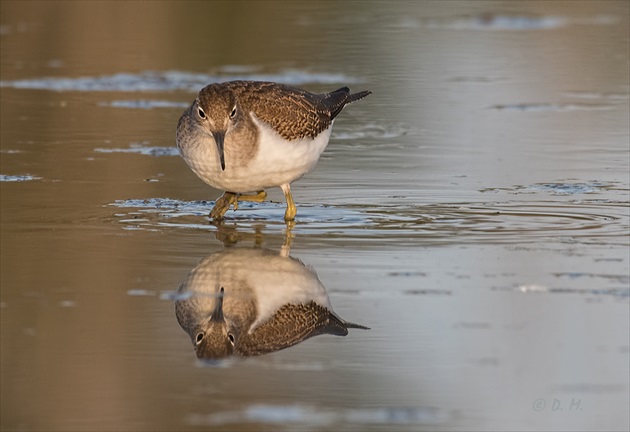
pixel 469 223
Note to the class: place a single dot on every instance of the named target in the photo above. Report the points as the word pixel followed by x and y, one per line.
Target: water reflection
pixel 251 301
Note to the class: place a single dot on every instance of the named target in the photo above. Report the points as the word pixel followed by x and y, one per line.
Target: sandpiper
pixel 246 136
pixel 248 302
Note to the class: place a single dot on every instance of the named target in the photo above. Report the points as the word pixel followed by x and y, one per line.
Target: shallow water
pixel 473 212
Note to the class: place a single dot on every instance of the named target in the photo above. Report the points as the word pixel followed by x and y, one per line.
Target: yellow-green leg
pixel 223 204
pixel 288 239
pixel 289 215
pixel 230 198
pixel 259 197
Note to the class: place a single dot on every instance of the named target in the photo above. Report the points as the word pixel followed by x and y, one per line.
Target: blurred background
pixel 473 212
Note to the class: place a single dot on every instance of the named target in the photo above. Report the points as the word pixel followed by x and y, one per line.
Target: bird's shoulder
pixel 292 112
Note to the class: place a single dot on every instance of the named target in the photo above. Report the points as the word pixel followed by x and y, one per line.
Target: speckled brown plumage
pixel 292 112
pixel 291 324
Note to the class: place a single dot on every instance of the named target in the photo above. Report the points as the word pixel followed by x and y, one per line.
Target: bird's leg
pixel 288 239
pixel 289 215
pixel 259 197
pixel 228 199
pixel 223 204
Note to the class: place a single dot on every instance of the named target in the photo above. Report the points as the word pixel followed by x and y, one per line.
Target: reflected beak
pixel 219 137
pixel 217 313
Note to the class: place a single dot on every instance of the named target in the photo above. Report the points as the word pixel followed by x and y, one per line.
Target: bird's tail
pixel 340 98
pixel 355 326
pixel 357 96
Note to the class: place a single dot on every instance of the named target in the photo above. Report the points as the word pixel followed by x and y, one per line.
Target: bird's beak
pixel 217 313
pixel 219 137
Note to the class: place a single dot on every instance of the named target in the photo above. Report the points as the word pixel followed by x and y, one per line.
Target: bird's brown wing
pixel 292 112
pixel 291 324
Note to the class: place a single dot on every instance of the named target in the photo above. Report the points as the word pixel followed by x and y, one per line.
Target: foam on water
pixel 502 22
pixel 370 130
pixel 17 178
pixel 158 81
pixel 139 149
pixel 558 188
pixel 144 104
pixel 321 416
pixel 545 107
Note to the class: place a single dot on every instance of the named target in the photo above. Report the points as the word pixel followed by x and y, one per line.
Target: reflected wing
pixel 291 324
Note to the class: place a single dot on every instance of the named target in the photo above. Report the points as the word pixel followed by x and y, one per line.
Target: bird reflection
pixel 248 302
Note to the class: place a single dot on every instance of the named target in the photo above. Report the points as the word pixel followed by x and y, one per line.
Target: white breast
pixel 272 281
pixel 278 281
pixel 277 161
pixel 280 161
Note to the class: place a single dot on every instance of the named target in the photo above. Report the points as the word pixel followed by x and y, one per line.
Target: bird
pixel 244 137
pixel 250 301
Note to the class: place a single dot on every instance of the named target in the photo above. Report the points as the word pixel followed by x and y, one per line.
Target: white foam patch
pixel 320 416
pixel 503 22
pixel 370 130
pixel 156 81
pixel 145 104
pixel 551 107
pixel 17 178
pixel 137 149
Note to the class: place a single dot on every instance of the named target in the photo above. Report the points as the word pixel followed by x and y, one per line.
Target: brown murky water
pixel 473 212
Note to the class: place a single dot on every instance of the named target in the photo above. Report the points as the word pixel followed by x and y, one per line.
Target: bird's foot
pixel 289 215
pixel 228 199
pixel 223 204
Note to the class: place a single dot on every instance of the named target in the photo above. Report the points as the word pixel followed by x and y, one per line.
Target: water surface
pixel 473 212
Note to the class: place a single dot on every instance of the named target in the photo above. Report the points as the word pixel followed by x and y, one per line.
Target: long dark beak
pixel 218 138
pixel 217 313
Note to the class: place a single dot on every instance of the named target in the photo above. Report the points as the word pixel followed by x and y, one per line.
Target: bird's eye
pixel 199 338
pixel 231 338
pixel 233 113
pixel 201 113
